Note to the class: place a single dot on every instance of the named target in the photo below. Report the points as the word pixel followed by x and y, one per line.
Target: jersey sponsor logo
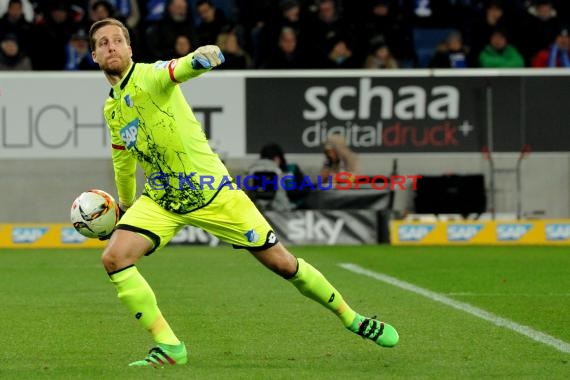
pixel 69 235
pixel 27 234
pixel 558 231
pixel 462 232
pixel 252 236
pixel 416 232
pixel 130 132
pixel 512 232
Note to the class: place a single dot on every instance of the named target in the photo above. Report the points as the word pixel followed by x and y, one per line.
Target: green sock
pixel 137 295
pixel 312 284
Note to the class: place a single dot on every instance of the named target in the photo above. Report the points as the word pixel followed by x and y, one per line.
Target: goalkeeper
pixel 151 124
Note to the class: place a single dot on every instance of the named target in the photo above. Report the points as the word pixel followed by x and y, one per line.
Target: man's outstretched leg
pixel 124 249
pixel 312 284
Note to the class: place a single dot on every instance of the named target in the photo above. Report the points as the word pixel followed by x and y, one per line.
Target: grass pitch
pixel 61 318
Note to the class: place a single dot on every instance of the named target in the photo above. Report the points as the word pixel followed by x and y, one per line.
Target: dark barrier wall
pixel 407 115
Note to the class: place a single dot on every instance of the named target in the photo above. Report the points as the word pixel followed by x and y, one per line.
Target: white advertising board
pixel 59 115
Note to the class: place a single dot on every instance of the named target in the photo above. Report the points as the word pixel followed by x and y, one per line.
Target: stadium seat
pixel 426 41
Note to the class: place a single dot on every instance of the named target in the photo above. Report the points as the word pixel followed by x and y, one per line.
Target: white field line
pixel 474 294
pixel 490 317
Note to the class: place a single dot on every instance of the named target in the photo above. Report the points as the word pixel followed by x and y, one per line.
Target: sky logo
pixel 558 232
pixel 195 235
pixel 415 232
pixel 512 232
pixel 27 234
pixel 462 232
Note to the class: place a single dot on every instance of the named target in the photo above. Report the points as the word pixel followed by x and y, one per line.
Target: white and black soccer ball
pixel 94 213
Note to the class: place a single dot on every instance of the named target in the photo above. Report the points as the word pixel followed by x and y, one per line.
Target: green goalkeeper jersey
pixel 151 123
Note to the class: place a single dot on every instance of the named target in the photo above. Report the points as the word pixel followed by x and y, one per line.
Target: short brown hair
pixel 107 21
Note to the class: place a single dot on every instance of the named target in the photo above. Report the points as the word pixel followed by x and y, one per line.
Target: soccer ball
pixel 94 213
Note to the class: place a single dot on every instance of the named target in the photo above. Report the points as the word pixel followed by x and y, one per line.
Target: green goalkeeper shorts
pixel 231 216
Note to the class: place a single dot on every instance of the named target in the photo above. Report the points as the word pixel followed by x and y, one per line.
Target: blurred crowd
pixel 295 34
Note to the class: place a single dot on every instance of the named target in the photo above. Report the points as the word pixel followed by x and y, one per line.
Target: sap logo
pixel 558 231
pixel 310 229
pixel 129 133
pixel 27 234
pixel 193 235
pixel 512 232
pixel 71 236
pixel 416 232
pixel 462 232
